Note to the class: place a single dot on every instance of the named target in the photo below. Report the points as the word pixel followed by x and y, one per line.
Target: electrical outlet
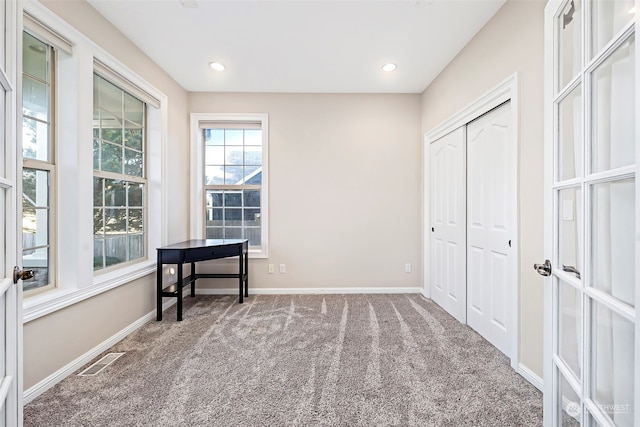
pixel 271 269
pixel 283 268
pixel 407 268
pixel 172 275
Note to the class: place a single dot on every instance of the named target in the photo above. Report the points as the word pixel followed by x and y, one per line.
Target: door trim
pixel 507 90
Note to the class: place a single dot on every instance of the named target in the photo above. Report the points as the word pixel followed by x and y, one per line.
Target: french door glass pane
pixel 612 239
pixel 609 17
pixel 612 364
pixel 570 328
pixel 569 404
pixel 613 110
pixel 570 230
pixel 570 30
pixel 570 138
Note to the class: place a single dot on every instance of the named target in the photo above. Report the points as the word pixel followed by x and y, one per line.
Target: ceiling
pixel 302 46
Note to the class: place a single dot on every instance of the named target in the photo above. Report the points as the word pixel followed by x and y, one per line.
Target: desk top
pixel 203 243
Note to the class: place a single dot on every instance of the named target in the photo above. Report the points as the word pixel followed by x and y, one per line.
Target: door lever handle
pixel 19 274
pixel 571 269
pixel 543 269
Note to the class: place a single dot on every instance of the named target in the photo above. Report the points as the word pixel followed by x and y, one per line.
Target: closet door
pixel 448 223
pixel 491 282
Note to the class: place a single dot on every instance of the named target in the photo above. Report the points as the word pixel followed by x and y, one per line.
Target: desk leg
pixel 179 283
pixel 193 279
pixel 240 274
pixel 246 272
pixel 159 289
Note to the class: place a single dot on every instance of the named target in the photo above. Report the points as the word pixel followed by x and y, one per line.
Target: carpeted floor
pixel 298 360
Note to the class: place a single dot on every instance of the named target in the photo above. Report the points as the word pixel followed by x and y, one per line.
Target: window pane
pixel 115 250
pixel 570 138
pixel 98 254
pixel 96 154
pixel 254 236
pixel 35 98
pixel 133 137
pixel 38 261
pixel 136 246
pixel 232 217
pixel 111 158
pixel 233 155
pixel 136 224
pixel 251 198
pixel 253 155
pixel 214 175
pixel 111 131
pixel 215 233
pixel 251 217
pixel 252 137
pixel 115 221
pixel 214 136
pixel 232 198
pixel 35 188
pixel 233 136
pixel 136 194
pixel 110 98
pixel 614 110
pixel 570 228
pixel 214 155
pixel 570 39
pixel 35 139
pixel 132 162
pixel 34 57
pixel 115 193
pixel 133 109
pixel 98 222
pixel 233 175
pixel 612 364
pixel 233 233
pixel 214 217
pixel 613 245
pixel 252 175
pixel 609 17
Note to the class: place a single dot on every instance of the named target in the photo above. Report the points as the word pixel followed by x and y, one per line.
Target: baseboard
pixel 62 373
pixel 309 291
pixel 530 376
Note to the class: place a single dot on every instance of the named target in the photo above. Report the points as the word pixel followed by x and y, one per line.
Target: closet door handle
pixel 543 269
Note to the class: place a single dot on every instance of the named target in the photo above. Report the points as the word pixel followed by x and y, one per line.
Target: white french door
pixel 10 294
pixel 591 214
pixel 448 272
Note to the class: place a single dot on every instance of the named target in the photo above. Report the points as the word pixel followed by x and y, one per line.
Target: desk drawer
pixel 202 254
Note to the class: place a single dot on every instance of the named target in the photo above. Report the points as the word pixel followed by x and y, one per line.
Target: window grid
pixel 38 163
pixel 119 214
pixel 233 169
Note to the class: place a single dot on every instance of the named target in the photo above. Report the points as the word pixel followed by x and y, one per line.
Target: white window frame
pixel 74 78
pixel 48 166
pixel 197 174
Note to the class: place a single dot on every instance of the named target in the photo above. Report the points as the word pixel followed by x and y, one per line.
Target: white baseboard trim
pixel 32 392
pixel 530 376
pixel 308 291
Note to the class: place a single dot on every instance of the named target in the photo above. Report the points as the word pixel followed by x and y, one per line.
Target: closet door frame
pixel 505 91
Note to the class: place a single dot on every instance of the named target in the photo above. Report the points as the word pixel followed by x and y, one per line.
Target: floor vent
pixel 97 367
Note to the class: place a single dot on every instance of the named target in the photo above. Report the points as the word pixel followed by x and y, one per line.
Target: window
pixel 94 139
pixel 39 168
pixel 231 152
pixel 119 175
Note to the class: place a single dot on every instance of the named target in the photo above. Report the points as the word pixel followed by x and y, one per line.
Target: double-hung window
pixel 38 173
pixel 231 151
pixel 119 178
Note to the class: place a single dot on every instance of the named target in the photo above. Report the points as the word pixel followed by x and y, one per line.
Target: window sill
pixel 52 301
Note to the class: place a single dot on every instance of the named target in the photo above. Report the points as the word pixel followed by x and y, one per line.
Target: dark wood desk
pixel 192 251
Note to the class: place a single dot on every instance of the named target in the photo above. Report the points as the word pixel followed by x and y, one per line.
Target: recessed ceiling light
pixel 216 66
pixel 632 11
pixel 389 67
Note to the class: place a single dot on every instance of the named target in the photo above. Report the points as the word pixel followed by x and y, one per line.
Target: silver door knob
pixel 543 269
pixel 571 269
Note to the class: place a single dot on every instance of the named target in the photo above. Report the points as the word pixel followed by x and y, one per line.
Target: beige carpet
pixel 301 360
